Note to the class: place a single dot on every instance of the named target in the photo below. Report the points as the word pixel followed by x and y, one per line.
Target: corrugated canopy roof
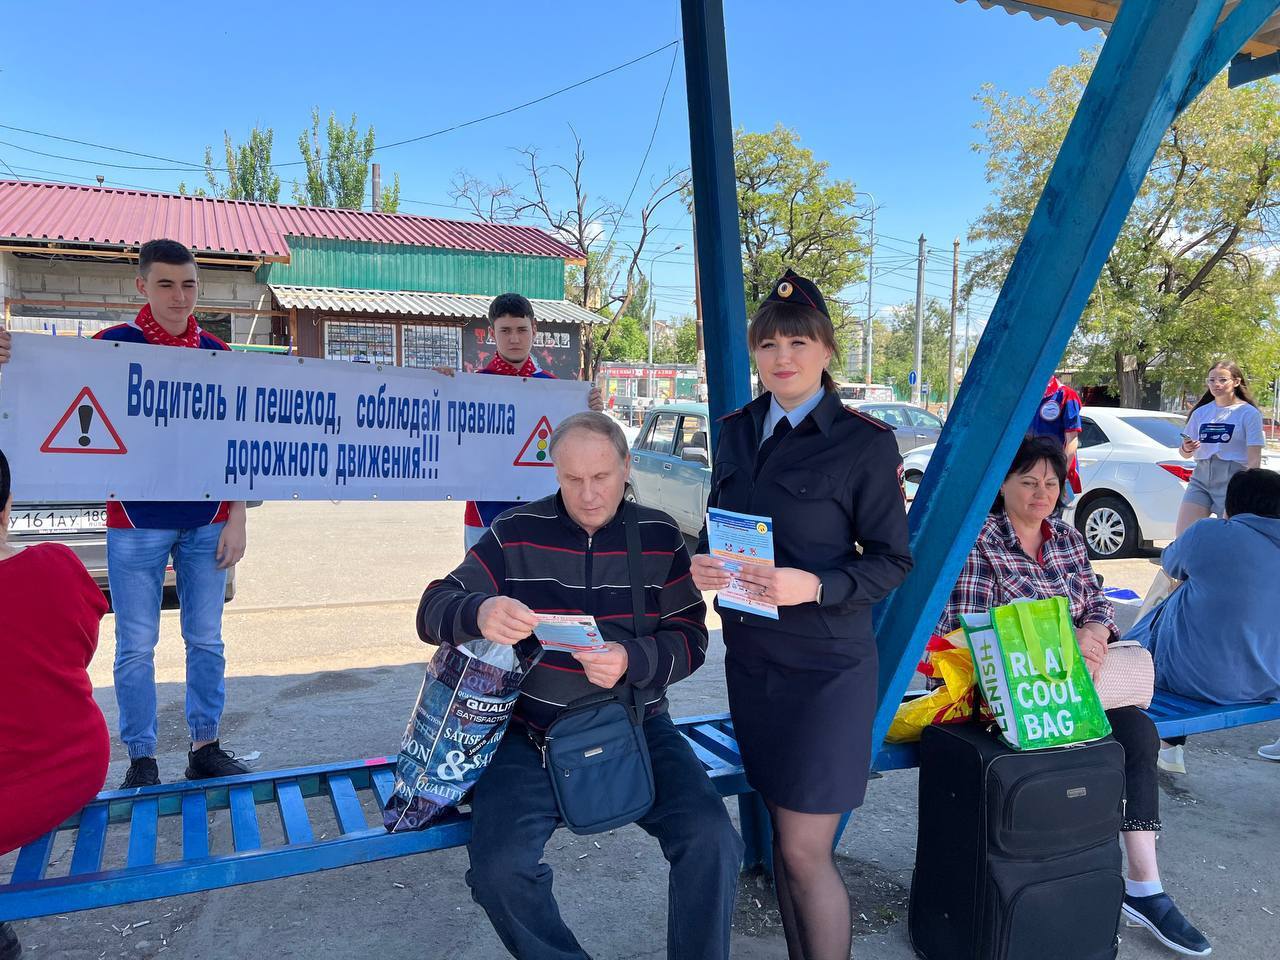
pixel 414 303
pixel 107 217
pixel 1100 14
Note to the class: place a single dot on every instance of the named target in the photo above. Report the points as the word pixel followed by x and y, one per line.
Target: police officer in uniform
pixel 802 688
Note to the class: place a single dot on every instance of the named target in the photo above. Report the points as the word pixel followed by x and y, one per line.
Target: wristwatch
pixel 818 598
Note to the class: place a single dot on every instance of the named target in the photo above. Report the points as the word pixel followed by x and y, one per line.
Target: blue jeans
pixel 136 561
pixel 514 813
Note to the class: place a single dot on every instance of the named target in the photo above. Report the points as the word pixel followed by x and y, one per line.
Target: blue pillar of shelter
pixel 715 204
pixel 1156 55
pixel 719 252
pixel 1223 49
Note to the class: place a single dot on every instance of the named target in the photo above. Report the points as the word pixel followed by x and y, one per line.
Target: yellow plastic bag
pixel 950 703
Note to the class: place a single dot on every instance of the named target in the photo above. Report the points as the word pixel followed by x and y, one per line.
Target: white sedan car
pixel 1133 477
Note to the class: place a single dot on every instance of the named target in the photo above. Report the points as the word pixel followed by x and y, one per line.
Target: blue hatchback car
pixel 671 464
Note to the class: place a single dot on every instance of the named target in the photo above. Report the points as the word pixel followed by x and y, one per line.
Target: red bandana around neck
pixel 158 335
pixel 506 368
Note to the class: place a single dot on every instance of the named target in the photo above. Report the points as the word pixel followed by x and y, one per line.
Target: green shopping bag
pixel 1032 675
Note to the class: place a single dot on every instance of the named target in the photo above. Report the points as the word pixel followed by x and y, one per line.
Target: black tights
pixel 812 898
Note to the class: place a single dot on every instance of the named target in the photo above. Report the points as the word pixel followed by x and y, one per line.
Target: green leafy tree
pixel 630 339
pixel 337 175
pixel 1185 283
pixel 895 346
pixel 390 200
pixel 248 170
pixel 557 197
pixel 682 346
pixel 793 213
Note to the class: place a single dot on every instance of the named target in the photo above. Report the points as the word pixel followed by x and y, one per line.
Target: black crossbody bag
pixel 595 750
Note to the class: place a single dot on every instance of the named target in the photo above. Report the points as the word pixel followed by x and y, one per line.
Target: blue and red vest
pixel 161 514
pixel 481 513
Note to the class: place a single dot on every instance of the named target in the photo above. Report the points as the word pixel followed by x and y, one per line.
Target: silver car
pixel 1133 474
pixel 83 528
pixel 912 426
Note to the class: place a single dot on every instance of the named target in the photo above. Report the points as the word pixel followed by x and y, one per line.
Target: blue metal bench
pixel 274 834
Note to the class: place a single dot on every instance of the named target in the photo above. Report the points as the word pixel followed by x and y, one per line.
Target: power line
pixel 60 176
pixel 100 146
pixel 527 103
pixel 184 166
pixel 93 163
pixel 645 159
pixel 889 236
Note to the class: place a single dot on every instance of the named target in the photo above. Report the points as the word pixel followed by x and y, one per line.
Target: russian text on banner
pixel 92 420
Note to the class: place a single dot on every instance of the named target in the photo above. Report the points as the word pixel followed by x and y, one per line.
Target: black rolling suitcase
pixel 1018 854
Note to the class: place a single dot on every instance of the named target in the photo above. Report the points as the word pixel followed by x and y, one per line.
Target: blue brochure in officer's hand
pixel 736 540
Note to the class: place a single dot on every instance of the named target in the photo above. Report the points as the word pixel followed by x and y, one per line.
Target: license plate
pixel 58 521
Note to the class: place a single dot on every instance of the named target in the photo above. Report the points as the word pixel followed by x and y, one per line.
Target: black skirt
pixel 802 712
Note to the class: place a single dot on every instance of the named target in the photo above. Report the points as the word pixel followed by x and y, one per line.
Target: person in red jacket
pixel 54 745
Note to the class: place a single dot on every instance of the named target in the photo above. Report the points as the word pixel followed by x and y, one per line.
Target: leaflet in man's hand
pixel 738 539
pixel 572 633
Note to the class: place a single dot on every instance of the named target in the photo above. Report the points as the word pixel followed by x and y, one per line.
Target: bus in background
pixel 865 392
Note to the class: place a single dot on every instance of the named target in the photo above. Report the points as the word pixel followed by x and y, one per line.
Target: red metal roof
pixel 111 217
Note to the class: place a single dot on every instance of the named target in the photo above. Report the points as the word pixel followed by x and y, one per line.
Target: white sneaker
pixel 1171 760
pixel 1270 752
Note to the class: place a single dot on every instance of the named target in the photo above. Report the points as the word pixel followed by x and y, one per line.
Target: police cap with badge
pixel 795 289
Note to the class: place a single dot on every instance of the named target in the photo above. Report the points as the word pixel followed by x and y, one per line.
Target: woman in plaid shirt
pixel 1025 553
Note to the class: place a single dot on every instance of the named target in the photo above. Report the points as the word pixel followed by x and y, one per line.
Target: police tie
pixel 771 443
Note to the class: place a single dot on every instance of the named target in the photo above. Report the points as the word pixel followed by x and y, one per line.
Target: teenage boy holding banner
pixel 204 539
pixel 511 316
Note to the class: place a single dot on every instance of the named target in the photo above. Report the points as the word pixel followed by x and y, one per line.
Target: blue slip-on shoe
pixel 1161 916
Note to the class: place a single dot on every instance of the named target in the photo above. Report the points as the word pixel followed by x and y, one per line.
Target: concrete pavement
pixel 324 665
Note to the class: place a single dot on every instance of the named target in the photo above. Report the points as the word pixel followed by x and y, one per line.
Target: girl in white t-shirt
pixel 1224 435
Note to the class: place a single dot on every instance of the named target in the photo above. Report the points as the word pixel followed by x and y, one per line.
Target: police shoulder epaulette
pixel 731 413
pixel 878 424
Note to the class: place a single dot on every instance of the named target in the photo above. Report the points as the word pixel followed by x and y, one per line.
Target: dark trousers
pixel 1136 732
pixel 514 813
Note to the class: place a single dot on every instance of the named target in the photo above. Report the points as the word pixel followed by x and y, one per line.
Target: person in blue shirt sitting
pixel 1217 637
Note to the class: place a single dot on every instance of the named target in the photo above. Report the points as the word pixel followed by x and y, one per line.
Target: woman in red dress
pixel 54 745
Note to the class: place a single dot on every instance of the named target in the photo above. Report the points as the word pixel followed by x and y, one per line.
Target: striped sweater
pixel 537 554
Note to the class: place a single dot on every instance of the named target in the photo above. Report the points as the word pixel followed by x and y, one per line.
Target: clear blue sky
pixel 882 90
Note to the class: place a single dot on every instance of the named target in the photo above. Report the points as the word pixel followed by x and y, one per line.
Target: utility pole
pixel 377 186
pixel 919 359
pixel 700 392
pixel 868 329
pixel 653 308
pixel 964 366
pixel 951 345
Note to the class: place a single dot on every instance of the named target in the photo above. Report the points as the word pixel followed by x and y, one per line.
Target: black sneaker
pixel 143 772
pixel 212 761
pixel 10 948
pixel 1161 916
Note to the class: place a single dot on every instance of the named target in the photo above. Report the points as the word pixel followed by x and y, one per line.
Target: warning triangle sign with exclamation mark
pixel 536 451
pixel 84 428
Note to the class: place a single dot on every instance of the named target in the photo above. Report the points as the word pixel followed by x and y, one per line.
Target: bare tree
pixel 490 202
pixel 606 280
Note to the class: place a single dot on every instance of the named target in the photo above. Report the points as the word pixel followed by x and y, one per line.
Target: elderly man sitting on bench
pixel 568 553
